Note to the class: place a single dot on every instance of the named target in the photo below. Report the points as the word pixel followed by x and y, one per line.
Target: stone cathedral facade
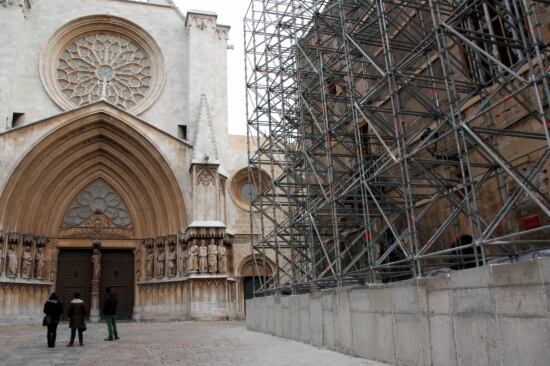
pixel 116 165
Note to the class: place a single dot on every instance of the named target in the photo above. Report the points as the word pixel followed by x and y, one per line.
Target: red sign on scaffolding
pixel 530 222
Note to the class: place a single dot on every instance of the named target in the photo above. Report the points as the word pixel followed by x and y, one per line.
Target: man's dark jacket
pixel 109 305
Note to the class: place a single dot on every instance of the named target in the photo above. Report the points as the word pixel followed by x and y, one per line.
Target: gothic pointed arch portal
pixel 95 160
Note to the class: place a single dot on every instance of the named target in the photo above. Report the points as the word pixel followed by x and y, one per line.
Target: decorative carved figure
pixel 193 257
pixel 212 257
pixel 53 267
pixel 12 265
pixel 183 259
pixel 222 257
pixel 137 254
pixel 26 266
pixel 39 263
pixel 205 177
pixel 161 258
pixel 96 265
pixel 203 257
pixel 172 255
pixel 1 256
pixel 149 263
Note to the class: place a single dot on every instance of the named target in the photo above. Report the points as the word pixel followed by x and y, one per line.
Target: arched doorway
pixel 253 275
pixel 48 194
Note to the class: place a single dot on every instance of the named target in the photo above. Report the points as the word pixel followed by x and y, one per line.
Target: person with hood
pixel 53 308
pixel 77 313
pixel 109 312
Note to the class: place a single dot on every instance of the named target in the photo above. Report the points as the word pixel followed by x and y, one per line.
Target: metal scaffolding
pixel 401 137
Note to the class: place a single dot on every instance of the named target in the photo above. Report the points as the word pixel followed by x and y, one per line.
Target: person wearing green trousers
pixel 109 312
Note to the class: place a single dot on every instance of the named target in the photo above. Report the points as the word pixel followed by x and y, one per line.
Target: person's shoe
pixel 70 345
pixel 116 337
pixel 81 344
pixel 108 339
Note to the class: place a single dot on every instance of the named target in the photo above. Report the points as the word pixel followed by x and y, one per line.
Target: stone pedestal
pixel 94 306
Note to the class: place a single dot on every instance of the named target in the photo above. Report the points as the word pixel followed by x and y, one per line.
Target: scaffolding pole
pixel 401 138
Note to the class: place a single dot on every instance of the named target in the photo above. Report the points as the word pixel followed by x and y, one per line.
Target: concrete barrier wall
pixel 492 315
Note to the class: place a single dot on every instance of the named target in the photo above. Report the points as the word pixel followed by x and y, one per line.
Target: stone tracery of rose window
pixel 100 66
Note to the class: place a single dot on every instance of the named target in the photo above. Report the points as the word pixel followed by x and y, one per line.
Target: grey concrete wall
pixel 493 315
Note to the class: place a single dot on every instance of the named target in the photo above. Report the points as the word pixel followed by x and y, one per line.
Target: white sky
pixel 230 12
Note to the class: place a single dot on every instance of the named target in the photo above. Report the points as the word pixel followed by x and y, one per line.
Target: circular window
pixel 103 58
pixel 249 192
pixel 244 191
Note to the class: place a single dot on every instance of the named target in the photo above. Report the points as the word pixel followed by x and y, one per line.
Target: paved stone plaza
pixel 176 343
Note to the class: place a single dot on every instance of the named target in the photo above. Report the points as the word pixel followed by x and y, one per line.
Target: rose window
pixel 107 67
pixel 103 58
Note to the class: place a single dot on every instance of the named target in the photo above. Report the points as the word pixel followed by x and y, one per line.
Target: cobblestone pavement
pixel 175 343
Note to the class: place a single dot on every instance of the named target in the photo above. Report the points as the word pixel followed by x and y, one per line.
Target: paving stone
pixel 175 343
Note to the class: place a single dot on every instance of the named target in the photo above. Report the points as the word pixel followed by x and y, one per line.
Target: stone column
pixel 96 278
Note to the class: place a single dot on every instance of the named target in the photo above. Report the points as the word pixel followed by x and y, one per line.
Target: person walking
pixel 109 312
pixel 77 313
pixel 53 308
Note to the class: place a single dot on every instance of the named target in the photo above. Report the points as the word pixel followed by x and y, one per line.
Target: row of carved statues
pixel 29 262
pixel 197 257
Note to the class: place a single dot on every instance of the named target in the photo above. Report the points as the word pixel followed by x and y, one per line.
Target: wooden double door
pixel 74 274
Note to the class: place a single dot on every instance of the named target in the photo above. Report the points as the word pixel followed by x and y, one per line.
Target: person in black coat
pixel 53 308
pixel 109 313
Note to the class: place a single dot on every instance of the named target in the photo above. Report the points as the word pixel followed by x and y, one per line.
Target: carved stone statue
pixel 172 256
pixel 212 257
pixel 193 257
pixel 53 267
pixel 1 257
pixel 183 259
pixel 26 266
pixel 149 263
pixel 12 265
pixel 161 258
pixel 39 263
pixel 203 257
pixel 222 257
pixel 137 255
pixel 96 265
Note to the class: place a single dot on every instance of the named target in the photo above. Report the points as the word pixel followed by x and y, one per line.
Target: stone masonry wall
pixel 492 315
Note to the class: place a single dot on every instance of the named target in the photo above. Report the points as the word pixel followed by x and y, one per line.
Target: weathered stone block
pixel 278 320
pixel 472 277
pixel 316 319
pixel 544 265
pixel 363 334
pixel 525 341
pixel 380 299
pixel 439 301
pixel 285 315
pixel 520 300
pixel 359 299
pixel 294 314
pixel 442 341
pixel 409 299
pixel 522 273
pixel 343 327
pixel 411 339
pixel 329 321
pixel 473 301
pixel 383 338
pixel 476 340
